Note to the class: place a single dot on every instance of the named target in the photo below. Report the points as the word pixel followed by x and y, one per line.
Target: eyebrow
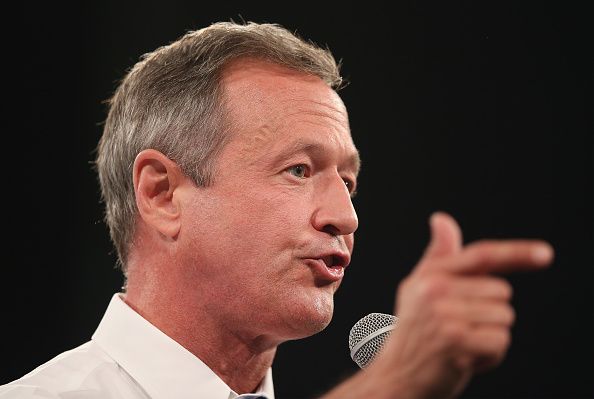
pixel 353 162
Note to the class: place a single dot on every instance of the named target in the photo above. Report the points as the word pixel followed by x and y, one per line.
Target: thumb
pixel 446 236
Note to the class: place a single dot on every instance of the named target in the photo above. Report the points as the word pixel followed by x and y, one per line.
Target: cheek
pixel 256 230
pixel 244 232
pixel 266 218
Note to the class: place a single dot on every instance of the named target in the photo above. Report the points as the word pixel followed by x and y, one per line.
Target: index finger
pixel 496 256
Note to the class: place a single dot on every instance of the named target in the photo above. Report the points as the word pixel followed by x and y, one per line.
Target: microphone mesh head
pixel 365 333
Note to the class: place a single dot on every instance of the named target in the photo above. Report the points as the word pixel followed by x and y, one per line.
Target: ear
pixel 156 179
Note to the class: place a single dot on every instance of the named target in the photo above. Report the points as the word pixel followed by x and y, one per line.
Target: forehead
pixel 269 104
pixel 265 80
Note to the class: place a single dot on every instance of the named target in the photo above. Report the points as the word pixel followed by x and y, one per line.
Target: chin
pixel 310 317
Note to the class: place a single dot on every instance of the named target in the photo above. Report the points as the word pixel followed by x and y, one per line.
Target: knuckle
pixel 452 334
pixel 441 311
pixel 502 340
pixel 511 316
pixel 433 287
pixel 481 254
pixel 480 245
pixel 506 290
pixel 498 288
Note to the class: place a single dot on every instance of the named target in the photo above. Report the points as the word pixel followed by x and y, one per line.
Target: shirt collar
pixel 161 366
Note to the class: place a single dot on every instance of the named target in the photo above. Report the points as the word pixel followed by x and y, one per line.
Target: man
pixel 227 169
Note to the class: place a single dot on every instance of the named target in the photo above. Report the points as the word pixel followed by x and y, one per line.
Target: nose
pixel 334 213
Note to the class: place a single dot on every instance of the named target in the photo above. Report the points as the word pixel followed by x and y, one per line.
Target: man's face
pixel 269 239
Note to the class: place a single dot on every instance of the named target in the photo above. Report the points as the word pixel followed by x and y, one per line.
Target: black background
pixel 481 109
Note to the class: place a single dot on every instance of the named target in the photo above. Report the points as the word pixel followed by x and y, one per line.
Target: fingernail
pixel 542 254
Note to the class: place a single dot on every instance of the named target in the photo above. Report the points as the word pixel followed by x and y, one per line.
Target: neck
pixel 239 357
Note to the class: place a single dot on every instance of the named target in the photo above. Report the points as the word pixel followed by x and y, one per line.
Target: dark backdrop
pixel 482 109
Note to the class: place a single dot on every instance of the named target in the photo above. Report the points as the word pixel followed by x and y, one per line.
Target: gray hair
pixel 171 101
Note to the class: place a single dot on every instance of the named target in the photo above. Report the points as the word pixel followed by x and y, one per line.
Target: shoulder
pixel 83 372
pixel 18 391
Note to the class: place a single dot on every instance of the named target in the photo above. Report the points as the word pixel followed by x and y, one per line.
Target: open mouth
pixel 333 261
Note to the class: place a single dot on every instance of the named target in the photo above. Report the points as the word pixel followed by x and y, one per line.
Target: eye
pixel 351 186
pixel 300 171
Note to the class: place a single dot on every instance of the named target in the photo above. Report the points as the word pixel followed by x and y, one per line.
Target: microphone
pixel 368 336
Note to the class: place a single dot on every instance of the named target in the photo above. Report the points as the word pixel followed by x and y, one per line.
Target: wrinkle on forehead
pixel 264 99
pixel 264 84
pixel 308 106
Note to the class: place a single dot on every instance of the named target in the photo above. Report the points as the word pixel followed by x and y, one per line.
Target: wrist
pixel 376 382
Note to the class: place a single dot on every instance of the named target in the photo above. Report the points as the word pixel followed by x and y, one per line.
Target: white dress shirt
pixel 127 358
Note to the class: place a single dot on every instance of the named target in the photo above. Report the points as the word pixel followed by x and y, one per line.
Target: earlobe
pixel 156 179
